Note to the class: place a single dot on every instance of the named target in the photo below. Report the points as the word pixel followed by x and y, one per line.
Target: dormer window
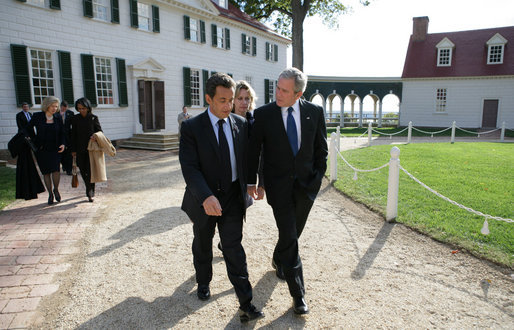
pixel 444 52
pixel 222 3
pixel 496 49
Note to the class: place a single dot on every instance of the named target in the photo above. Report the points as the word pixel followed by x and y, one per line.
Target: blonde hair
pixel 243 84
pixel 48 101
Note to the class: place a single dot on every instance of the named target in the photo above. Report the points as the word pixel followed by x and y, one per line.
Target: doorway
pixel 490 114
pixel 151 105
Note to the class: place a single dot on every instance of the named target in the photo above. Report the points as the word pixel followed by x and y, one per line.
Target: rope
pixel 421 131
pixel 479 133
pixel 487 216
pixel 373 130
pixel 359 170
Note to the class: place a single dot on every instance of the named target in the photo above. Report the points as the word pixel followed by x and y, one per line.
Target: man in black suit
pixel 65 115
pixel 292 135
pixel 23 117
pixel 213 158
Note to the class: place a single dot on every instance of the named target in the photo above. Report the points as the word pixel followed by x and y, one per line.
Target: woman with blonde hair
pixel 49 141
pixel 244 100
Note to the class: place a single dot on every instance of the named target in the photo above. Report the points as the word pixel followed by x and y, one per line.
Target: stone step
pixel 3 163
pixel 152 141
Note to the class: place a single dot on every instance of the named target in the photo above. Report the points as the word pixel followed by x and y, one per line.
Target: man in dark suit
pixel 292 135
pixel 213 158
pixel 23 117
pixel 65 115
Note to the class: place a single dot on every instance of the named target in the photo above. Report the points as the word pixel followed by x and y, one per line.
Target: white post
pixel 361 107
pixel 502 135
pixel 393 184
pixel 369 133
pixel 453 132
pixel 333 158
pixel 409 132
pixel 338 138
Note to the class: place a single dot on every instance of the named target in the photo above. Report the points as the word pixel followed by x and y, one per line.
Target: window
pixel 52 4
pixel 42 74
pixel 271 52
pixel 195 87
pixel 248 79
pixel 101 9
pixel 440 100
pixel 247 44
pixel 194 30
pixel 104 82
pixel 444 57
pixel 220 37
pixel 496 49
pixel 220 34
pixel 40 3
pixel 143 13
pixel 222 3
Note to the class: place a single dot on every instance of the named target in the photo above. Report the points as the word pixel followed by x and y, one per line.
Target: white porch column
pixel 379 113
pixel 138 128
pixel 361 107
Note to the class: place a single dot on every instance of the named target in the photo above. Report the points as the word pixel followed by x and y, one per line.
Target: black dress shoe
pixel 203 292
pixel 300 306
pixel 50 199
pixel 251 313
pixel 278 270
pixel 57 195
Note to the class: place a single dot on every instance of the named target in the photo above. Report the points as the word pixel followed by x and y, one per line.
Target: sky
pixel 372 41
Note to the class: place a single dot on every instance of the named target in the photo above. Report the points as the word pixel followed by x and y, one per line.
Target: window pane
pixel 103 80
pixel 42 74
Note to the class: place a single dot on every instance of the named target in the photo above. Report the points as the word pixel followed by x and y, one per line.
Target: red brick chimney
pixel 419 28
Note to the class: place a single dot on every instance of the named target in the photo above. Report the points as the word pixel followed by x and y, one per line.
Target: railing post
pixel 338 138
pixel 502 135
pixel 409 132
pixel 370 126
pixel 453 132
pixel 333 158
pixel 393 184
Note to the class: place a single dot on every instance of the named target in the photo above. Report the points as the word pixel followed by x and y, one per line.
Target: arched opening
pixel 334 108
pixel 351 110
pixel 390 110
pixel 370 109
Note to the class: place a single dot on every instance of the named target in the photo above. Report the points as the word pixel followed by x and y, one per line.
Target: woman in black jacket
pixel 49 141
pixel 83 126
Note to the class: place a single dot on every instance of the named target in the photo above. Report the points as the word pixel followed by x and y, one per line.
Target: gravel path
pixel 135 269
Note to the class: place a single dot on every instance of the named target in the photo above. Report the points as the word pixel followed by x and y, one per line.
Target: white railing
pixel 393 183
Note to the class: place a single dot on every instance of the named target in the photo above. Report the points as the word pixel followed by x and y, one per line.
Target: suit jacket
pixel 200 161
pixel 21 121
pixel 282 170
pixel 44 135
pixel 68 115
pixel 81 130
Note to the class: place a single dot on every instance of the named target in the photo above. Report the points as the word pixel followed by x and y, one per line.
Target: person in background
pixel 65 116
pixel 49 141
pixel 23 117
pixel 292 135
pixel 83 126
pixel 181 117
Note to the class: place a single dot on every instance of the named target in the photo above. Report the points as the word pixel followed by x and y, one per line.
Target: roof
pixel 236 14
pixel 469 56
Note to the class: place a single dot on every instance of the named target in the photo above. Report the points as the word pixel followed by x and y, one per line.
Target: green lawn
pixel 7 186
pixel 355 131
pixel 478 175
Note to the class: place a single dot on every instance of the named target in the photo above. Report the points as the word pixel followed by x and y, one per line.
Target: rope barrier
pixel 432 133
pixel 360 170
pixel 478 133
pixel 390 134
pixel 487 216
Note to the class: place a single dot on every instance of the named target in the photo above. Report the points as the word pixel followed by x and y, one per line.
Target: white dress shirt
pixel 227 129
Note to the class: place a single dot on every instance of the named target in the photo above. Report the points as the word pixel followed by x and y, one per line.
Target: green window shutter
pixel 134 19
pixel 267 51
pixel 205 76
pixel 88 8
pixel 20 69
pixel 187 30
pixel 227 38
pixel 88 78
pixel 231 75
pixel 155 19
pixel 243 43
pixel 66 76
pixel 22 0
pixel 55 4
pixel 275 53
pixel 254 46
pixel 115 11
pixel 214 31
pixel 266 91
pixel 187 86
pixel 213 72
pixel 202 32
pixel 122 82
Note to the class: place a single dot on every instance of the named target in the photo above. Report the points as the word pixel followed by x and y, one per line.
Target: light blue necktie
pixel 292 134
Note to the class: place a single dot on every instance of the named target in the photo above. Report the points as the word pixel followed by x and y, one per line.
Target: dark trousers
pixel 290 219
pixel 85 171
pixel 230 228
pixel 66 160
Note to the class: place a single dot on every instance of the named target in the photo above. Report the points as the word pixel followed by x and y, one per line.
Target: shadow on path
pixel 155 222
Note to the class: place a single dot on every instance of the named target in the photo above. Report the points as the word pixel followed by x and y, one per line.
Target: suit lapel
pixel 305 117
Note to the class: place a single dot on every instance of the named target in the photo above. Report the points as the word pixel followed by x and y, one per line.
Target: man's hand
pixel 61 148
pixel 252 191
pixel 260 193
pixel 212 206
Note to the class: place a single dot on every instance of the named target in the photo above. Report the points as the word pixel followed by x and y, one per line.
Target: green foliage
pixel 477 175
pixel 280 12
pixel 7 186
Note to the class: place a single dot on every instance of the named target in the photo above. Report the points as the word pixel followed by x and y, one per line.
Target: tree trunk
pixel 299 12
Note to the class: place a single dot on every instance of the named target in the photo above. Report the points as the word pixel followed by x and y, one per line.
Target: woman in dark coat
pixel 49 141
pixel 83 126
